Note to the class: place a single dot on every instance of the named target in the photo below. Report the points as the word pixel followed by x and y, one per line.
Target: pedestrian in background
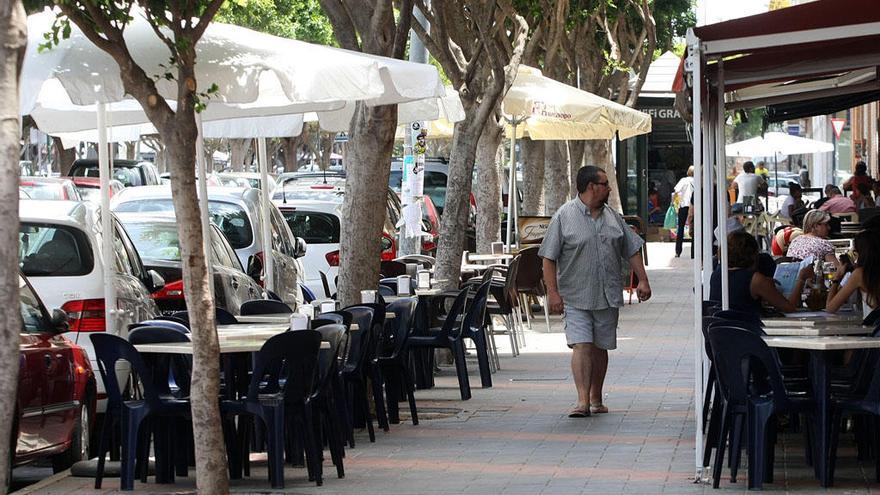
pixel 583 255
pixel 684 194
pixel 859 177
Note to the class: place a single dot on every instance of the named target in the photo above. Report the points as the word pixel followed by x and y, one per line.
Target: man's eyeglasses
pixel 605 184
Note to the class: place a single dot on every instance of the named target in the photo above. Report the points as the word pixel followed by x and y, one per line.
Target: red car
pixel 56 389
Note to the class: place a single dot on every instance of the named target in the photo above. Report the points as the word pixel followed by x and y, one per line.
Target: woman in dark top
pixel 748 288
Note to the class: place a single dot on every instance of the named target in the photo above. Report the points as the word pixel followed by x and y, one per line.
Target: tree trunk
pixel 366 189
pixel 598 153
pixel 291 153
pixel 238 153
pixel 533 176
pixel 556 176
pixel 325 140
pixel 63 158
pixel 453 225
pixel 576 160
pixel 211 473
pixel 131 150
pixel 13 40
pixel 488 187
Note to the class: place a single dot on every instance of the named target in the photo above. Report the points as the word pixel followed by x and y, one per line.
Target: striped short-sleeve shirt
pixel 590 254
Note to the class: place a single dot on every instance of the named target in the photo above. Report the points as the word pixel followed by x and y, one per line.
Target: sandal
pixel 579 412
pixel 598 408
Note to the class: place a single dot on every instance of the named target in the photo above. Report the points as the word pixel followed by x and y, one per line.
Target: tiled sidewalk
pixel 516 438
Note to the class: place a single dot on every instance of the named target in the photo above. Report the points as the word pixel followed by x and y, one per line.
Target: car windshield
pixel 311 194
pixel 314 227
pixel 155 241
pixel 231 218
pixel 127 176
pixel 46 250
pixel 38 190
pixel 92 194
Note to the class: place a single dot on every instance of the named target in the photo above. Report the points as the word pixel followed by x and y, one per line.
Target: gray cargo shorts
pixel 597 327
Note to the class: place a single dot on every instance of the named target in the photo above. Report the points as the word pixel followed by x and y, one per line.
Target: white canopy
pixel 777 144
pixel 251 69
pixel 554 110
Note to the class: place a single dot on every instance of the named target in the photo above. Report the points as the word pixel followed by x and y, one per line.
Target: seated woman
pixel 813 243
pixel 865 277
pixel 748 288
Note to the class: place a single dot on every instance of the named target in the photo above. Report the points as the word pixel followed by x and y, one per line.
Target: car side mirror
pixel 60 321
pixel 255 268
pixel 301 247
pixel 156 281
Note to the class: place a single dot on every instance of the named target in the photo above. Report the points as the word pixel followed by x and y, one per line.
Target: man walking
pixel 583 251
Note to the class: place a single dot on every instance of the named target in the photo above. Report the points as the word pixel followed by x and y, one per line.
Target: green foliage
pixel 303 20
pixel 673 18
pixel 746 124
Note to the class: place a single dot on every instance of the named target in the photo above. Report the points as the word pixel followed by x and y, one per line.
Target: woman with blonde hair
pixel 814 241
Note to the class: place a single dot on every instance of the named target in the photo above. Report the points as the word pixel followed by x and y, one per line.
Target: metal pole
pixel 263 160
pixel 106 222
pixel 511 185
pixel 203 201
pixel 693 65
pixel 720 169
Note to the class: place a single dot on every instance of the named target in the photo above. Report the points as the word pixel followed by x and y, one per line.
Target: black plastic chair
pixel 863 403
pixel 164 323
pixel 325 284
pixel 110 350
pixel 324 395
pixel 170 373
pixel 264 307
pixel 448 336
pixel 394 358
pixel 738 315
pixel 224 317
pixel 387 291
pixel 280 386
pixel 474 327
pixel 873 318
pixel 354 371
pixel 184 322
pixel 737 350
pixel 308 295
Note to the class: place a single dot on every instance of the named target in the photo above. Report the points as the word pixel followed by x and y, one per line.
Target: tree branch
pixel 343 27
pixel 206 18
pixel 401 34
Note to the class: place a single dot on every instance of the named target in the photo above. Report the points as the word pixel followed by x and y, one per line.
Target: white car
pixel 60 251
pixel 236 212
pixel 317 223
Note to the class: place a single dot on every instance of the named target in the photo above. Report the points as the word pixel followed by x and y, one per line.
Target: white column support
pixel 107 248
pixel 512 215
pixel 202 184
pixel 693 65
pixel 721 174
pixel 263 159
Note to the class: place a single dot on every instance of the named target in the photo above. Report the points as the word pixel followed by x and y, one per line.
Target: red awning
pixel 812 15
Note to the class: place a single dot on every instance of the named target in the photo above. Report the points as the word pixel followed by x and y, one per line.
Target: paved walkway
pixel 516 438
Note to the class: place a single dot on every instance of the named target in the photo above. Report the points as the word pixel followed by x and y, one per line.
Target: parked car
pixel 314 211
pixel 57 388
pixel 236 212
pixel 158 244
pixel 49 188
pixel 252 179
pixel 90 188
pixel 60 251
pixel 129 172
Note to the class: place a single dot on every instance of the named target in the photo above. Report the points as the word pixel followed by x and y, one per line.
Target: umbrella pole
pixel 511 187
pixel 106 220
pixel 264 212
pixel 203 201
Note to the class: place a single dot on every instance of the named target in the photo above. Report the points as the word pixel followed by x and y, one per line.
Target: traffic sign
pixel 341 137
pixel 837 125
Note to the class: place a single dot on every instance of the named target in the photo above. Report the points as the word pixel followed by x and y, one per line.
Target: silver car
pixel 60 251
pixel 237 212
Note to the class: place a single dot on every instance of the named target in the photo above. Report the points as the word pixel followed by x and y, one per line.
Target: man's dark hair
pixel 794 186
pixel 861 168
pixel 749 167
pixel 587 174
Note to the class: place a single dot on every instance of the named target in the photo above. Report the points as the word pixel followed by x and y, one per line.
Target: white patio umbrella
pixel 546 109
pixel 777 145
pixel 257 75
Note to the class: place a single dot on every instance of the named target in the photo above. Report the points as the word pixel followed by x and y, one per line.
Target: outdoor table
pixel 267 318
pixel 796 330
pixel 820 365
pixel 813 318
pixel 490 257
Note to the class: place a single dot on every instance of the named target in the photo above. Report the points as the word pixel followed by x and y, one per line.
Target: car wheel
pixel 79 443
